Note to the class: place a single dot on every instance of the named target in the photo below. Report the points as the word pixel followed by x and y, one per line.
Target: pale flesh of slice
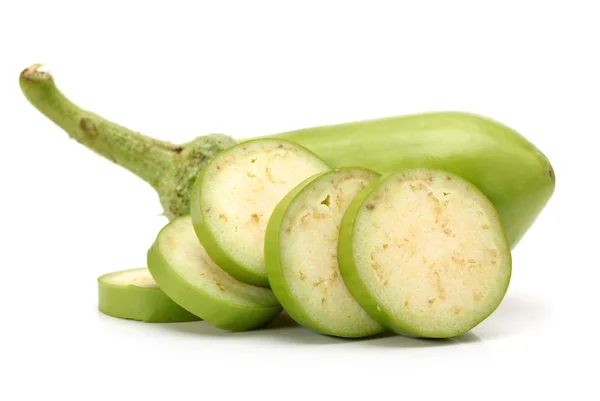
pixel 427 253
pixel 235 196
pixel 139 277
pixel 301 255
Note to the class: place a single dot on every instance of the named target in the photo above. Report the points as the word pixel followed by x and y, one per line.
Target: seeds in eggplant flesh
pixel 424 252
pixel 235 195
pixel 133 294
pixel 185 272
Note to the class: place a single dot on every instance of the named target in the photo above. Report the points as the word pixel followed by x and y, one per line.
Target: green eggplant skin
pixel 215 311
pixel 143 303
pixel 515 175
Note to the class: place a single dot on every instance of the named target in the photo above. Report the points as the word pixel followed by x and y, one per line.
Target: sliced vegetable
pixel 133 294
pixel 301 254
pixel 184 271
pixel 235 195
pixel 514 174
pixel 424 253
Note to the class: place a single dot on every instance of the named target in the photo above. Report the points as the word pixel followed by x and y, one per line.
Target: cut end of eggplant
pixel 430 251
pixel 302 262
pixel 238 191
pixel 36 72
pixel 188 275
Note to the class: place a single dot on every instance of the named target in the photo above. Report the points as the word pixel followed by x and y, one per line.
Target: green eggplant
pixel 511 171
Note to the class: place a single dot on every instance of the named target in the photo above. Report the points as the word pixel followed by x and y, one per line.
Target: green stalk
pixel 170 169
pixel 146 157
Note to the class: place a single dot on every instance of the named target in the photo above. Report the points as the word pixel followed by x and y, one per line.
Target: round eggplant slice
pixel 185 272
pixel 235 194
pixel 424 252
pixel 301 254
pixel 133 294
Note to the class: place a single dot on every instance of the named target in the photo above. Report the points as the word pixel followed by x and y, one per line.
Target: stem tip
pixel 36 72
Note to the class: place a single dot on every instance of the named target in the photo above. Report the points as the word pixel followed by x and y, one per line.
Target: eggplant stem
pixel 148 158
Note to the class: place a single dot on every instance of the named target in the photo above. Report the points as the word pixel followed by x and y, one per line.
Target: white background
pixel 176 70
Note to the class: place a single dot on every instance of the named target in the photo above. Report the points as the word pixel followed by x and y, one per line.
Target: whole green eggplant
pixel 514 174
